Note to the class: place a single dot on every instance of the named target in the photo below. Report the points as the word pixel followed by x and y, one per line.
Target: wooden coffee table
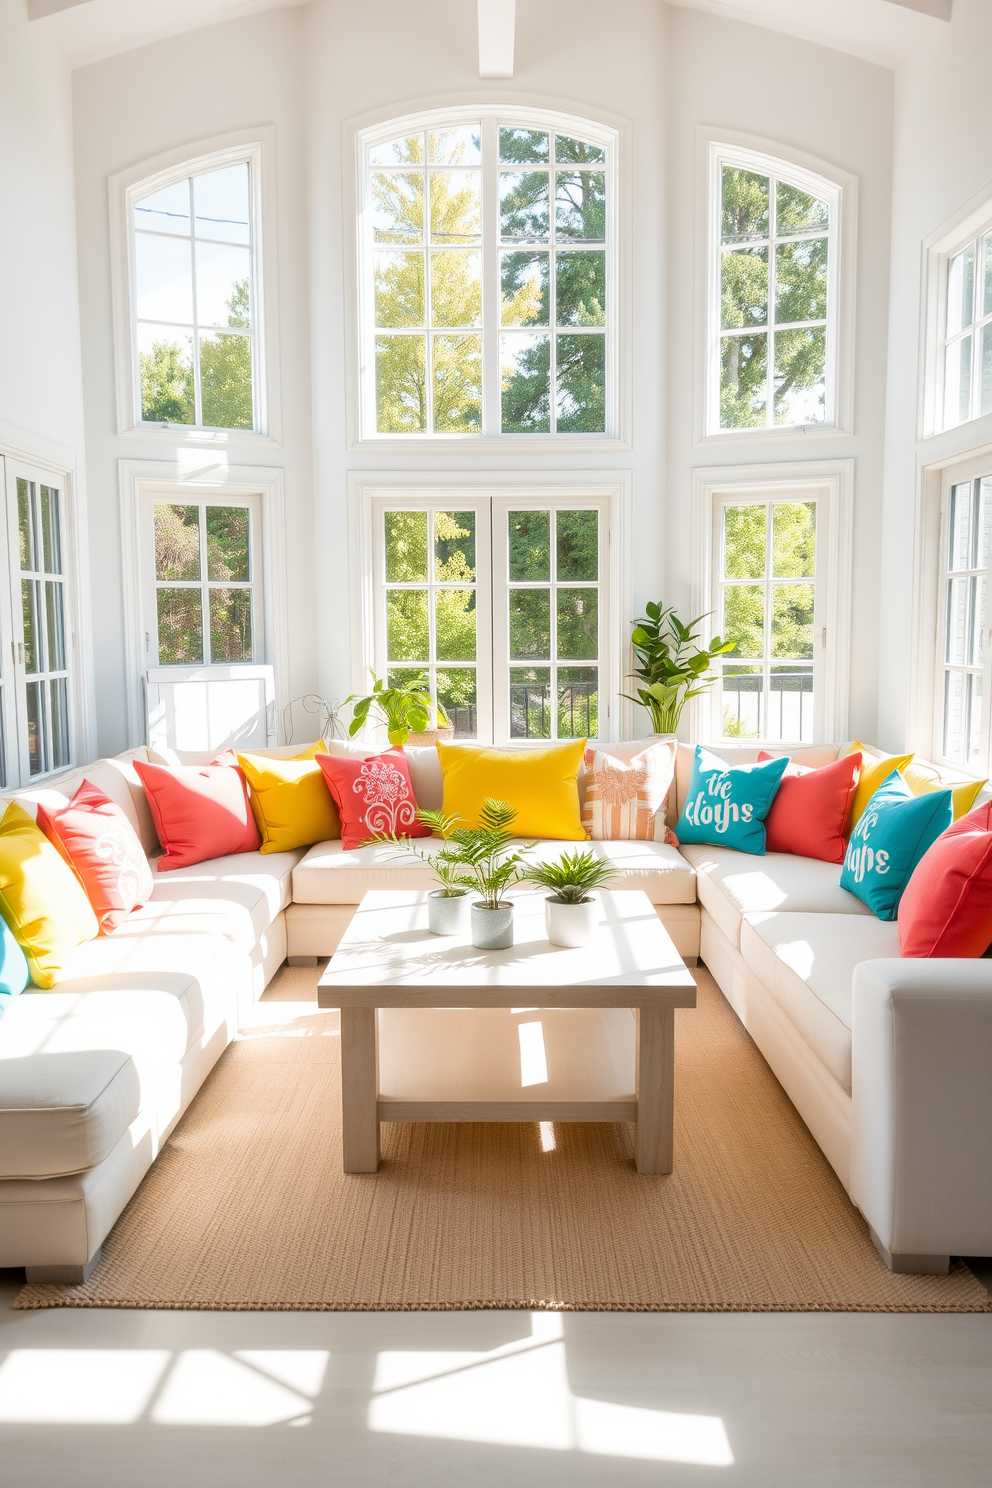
pixel 434 1030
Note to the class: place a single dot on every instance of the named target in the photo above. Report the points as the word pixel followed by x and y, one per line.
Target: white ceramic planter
pixel 447 914
pixel 570 924
pixel 492 929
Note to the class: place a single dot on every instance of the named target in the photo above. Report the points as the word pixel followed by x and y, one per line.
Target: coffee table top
pixel 388 958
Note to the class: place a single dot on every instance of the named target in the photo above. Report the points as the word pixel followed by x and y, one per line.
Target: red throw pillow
pixel 373 796
pixel 946 908
pixel 200 812
pixel 101 847
pixel 979 820
pixel 810 812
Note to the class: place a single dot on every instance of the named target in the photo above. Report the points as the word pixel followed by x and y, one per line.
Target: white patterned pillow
pixel 626 788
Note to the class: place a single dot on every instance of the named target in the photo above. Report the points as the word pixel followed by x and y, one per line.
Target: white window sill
pixel 516 444
pixel 778 435
pixel 196 438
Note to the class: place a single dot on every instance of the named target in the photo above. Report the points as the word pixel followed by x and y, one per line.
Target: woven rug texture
pixel 247 1206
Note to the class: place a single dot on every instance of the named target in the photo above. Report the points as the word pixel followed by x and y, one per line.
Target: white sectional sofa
pixel 889 1062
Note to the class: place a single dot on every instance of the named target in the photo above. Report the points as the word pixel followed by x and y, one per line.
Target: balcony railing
pixel 785 713
pixel 531 708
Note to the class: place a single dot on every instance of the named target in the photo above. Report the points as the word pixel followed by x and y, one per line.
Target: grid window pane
pixel 51 530
pixel 230 626
pixel 177 542
pixel 408 625
pixel 744 288
pixel 457 694
pixel 552 202
pixel 743 381
pixel 530 545
pixel 454 624
pixel 745 205
pixel 578 702
pixel 55 626
pixel 530 623
pixel 406 547
pixel 58 689
pixel 531 706
pixel 180 627
pixel 26 522
pixel 191 292
pixel 228 542
pixel 745 541
pixel 36 727
pixel 454 545
pixel 793 540
pixel 792 620
pixel 577 537
pixel 957 382
pixel 961 290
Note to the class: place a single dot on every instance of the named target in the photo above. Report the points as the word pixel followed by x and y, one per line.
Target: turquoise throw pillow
pixel 14 973
pixel 893 832
pixel 726 805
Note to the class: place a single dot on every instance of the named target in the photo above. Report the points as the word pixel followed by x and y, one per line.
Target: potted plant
pixel 570 909
pixel 674 666
pixel 492 865
pixel 404 711
pixel 447 905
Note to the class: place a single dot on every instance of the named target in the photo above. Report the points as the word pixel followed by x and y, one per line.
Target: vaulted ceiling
pixel 882 31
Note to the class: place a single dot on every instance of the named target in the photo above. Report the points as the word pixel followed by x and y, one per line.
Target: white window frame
pixel 360 329
pixel 969 226
pixel 372 492
pixel 252 501
pixel 140 482
pixel 821 179
pixel 831 485
pixel 40 468
pixel 258 150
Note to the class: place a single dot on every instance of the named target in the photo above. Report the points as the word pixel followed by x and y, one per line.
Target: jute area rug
pixel 247 1206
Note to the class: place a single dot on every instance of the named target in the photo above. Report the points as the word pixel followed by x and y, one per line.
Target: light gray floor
pixel 97 1399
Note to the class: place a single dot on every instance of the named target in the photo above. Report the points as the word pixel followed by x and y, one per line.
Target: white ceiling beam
pixel 497 19
pixel 939 8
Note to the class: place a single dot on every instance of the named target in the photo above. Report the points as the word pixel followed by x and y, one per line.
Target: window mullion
pixel 491 299
pixel 204 584
pixel 770 353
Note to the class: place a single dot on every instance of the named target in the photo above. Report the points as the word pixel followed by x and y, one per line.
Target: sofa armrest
pixel 921 1158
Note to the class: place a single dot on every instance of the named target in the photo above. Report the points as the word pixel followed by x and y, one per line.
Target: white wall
pixel 40 383
pixel 942 159
pixel 824 103
pixel 128 109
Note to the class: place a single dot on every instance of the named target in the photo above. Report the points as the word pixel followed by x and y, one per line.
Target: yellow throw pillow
pixel 291 802
pixel 540 784
pixel 922 779
pixel 875 770
pixel 41 898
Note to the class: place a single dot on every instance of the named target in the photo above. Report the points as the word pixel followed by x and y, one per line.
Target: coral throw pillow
pixel 100 845
pixel 946 909
pixel 374 797
pixel 200 812
pixel 892 835
pixel 624 795
pixel 540 784
pixel 726 805
pixel 41 898
pixel 810 812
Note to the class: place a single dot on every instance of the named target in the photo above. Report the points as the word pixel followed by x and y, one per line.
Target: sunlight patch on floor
pixel 519 1395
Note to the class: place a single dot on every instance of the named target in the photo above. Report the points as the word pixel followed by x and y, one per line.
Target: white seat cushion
pixel 731 884
pixel 330 875
pixel 807 961
pixel 261 883
pixel 167 916
pixel 64 1113
pixel 152 997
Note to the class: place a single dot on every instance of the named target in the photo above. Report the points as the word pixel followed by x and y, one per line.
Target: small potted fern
pixel 570 910
pixel 493 865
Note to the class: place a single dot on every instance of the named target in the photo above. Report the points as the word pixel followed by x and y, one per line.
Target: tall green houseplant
pixel 674 666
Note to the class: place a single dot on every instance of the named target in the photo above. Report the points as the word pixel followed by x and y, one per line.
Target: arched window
pixel 195 295
pixel 773 294
pixel 488 276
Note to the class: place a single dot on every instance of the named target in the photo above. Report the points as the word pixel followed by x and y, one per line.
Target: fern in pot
pixel 448 904
pixel 491 865
pixel 571 909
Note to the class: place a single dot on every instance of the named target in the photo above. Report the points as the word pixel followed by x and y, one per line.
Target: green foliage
pixel 445 864
pixel 404 710
pixel 485 851
pixel 736 728
pixel 573 877
pixel 674 666
pixel 167 382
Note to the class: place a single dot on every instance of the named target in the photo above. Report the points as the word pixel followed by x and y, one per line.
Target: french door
pixel 963 651
pixel 499 604
pixel 36 641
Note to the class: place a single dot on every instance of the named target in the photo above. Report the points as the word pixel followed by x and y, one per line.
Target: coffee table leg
pixel 655 1090
pixel 359 1089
